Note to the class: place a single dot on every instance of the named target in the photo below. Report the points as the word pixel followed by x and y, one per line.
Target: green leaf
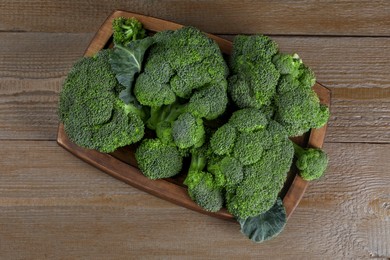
pixel 126 62
pixel 266 225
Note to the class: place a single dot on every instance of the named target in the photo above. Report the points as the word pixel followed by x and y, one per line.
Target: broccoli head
pixel 188 131
pixel 254 78
pixel 253 154
pixel 158 160
pixel 299 110
pixel 311 162
pixel 179 63
pixel 126 30
pixel 93 115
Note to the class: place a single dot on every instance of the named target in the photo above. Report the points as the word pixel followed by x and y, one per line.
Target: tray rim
pixel 172 192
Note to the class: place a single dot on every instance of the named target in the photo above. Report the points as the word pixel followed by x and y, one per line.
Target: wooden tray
pixel 121 164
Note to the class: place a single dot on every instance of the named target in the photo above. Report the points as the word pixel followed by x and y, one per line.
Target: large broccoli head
pixel 253 154
pixel 311 162
pixel 297 106
pixel 254 77
pixel 93 115
pixel 179 63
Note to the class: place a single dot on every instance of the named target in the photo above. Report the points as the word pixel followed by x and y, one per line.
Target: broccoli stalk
pixel 311 162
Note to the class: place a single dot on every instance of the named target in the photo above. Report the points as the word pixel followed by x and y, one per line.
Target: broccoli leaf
pixel 266 225
pixel 126 62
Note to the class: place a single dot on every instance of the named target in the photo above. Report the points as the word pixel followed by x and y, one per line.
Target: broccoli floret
pixel 299 109
pixel 229 169
pixel 254 79
pixel 203 187
pixel 158 160
pixel 188 131
pixel 210 101
pixel 126 30
pixel 248 120
pixel 311 162
pixel 222 141
pixel 249 147
pixel 93 115
pixel 287 64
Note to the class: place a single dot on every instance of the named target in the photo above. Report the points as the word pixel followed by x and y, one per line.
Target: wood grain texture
pixel 303 17
pixel 53 206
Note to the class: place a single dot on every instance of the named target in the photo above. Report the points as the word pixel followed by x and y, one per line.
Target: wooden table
pixel 54 206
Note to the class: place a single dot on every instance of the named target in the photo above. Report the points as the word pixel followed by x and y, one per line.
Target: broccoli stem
pixel 198 162
pixel 164 114
pixel 299 151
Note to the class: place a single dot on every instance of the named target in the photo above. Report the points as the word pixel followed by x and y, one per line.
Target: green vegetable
pixel 126 30
pixel 188 131
pixel 180 63
pixel 254 77
pixel 126 62
pixel 263 155
pixel 297 106
pixel 266 225
pixel 93 115
pixel 203 187
pixel 158 160
pixel 311 162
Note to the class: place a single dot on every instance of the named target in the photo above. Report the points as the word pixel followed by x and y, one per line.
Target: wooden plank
pixel 55 206
pixel 307 17
pixel 354 68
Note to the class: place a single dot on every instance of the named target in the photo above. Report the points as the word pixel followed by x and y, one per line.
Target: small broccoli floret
pixel 126 30
pixel 311 162
pixel 203 187
pixel 248 120
pixel 150 92
pixel 188 131
pixel 222 141
pixel 229 169
pixel 297 106
pixel 249 146
pixel 158 160
pixel 93 115
pixel 210 101
pixel 254 79
pixel 287 64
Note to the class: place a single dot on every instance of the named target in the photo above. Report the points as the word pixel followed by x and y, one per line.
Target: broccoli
pixel 157 159
pixel 179 63
pixel 93 115
pixel 188 131
pixel 311 162
pixel 253 154
pixel 299 110
pixel 203 187
pixel 297 106
pixel 279 84
pixel 126 30
pixel 254 77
